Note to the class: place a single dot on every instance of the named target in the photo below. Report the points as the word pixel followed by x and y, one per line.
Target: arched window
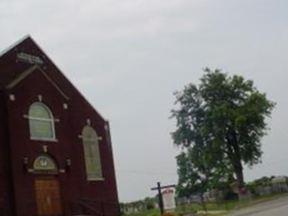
pixel 44 163
pixel 91 154
pixel 41 122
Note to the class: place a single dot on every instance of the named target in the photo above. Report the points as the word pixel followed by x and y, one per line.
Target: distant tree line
pixel 139 205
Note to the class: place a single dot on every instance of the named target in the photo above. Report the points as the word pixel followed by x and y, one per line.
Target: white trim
pixel 30 70
pixel 19 78
pixel 31 170
pixel 65 106
pixel 95 179
pixel 54 84
pixel 44 139
pixel 62 171
pixel 12 97
pixel 41 119
pixel 40 98
pixel 45 148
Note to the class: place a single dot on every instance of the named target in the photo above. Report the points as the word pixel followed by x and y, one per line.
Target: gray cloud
pixel 128 57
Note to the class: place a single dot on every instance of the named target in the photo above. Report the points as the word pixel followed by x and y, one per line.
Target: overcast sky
pixel 128 57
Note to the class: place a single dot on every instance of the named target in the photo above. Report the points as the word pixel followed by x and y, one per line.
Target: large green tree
pixel 197 173
pixel 223 119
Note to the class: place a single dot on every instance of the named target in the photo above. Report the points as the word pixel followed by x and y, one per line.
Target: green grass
pixel 213 206
pixel 151 212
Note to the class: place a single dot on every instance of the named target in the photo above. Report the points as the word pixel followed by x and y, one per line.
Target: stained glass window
pixel 91 154
pixel 41 122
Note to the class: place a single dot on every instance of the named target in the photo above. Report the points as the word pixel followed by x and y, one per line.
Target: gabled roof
pixel 26 73
pixel 3 52
pixel 12 67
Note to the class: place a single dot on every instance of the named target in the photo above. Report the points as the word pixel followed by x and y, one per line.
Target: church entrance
pixel 47 188
pixel 48 199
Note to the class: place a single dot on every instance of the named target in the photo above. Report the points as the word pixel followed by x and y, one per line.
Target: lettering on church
pixel 25 57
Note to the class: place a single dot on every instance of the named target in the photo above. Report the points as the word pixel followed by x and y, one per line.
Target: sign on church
pixel 25 57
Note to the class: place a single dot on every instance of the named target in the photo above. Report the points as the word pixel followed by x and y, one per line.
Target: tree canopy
pixel 220 123
pixel 196 175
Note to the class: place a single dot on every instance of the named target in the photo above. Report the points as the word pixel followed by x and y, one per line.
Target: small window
pixel 44 163
pixel 91 154
pixel 41 122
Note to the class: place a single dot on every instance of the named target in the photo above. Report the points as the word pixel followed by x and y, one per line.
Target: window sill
pixel 43 139
pixel 95 179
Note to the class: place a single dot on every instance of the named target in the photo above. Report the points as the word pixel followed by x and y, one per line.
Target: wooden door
pixel 48 198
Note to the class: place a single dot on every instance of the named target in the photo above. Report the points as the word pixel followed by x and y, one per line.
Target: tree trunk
pixel 203 202
pixel 235 157
pixel 238 169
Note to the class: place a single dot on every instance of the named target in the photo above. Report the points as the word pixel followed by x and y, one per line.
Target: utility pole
pixel 160 197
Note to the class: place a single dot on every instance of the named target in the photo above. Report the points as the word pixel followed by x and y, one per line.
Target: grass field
pixel 215 209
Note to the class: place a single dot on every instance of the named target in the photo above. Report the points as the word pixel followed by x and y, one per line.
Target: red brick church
pixel 55 148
